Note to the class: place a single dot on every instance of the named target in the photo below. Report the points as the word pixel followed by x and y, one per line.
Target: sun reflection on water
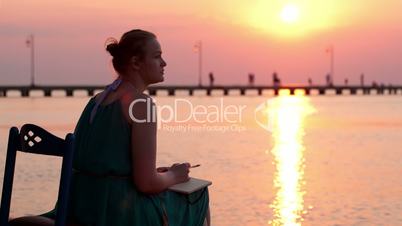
pixel 286 118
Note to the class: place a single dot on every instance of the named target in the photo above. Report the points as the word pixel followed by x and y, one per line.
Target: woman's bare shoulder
pixel 128 98
pixel 137 104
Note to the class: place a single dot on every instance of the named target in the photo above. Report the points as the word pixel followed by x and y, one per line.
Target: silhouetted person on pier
pixel 251 79
pixel 346 81
pixel 362 80
pixel 310 82
pixel 328 80
pixel 374 84
pixel 275 79
pixel 211 79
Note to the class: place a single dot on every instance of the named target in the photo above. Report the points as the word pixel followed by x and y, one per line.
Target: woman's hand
pixel 164 169
pixel 181 172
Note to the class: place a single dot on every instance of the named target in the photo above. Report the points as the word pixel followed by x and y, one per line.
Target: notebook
pixel 194 184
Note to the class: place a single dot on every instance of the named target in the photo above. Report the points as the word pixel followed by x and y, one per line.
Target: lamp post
pixel 30 43
pixel 198 48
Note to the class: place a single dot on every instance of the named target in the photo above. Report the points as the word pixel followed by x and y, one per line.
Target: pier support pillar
pixel 191 92
pixel 208 92
pixel 152 92
pixel 225 92
pixel 171 92
pixel 90 92
pixel 47 92
pixel 307 92
pixel 242 92
pixel 338 91
pixel 276 92
pixel 69 92
pixel 380 91
pixel 292 92
pixel 259 92
pixel 353 91
pixel 25 92
pixel 321 91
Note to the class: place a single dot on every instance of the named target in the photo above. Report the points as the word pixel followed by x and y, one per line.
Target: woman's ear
pixel 135 63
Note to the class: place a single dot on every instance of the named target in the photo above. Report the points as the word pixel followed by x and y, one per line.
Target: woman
pixel 115 180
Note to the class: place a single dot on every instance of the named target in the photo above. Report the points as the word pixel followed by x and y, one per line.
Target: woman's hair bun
pixel 112 46
pixel 132 43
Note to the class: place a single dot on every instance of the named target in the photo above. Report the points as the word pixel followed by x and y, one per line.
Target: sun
pixel 290 13
pixel 293 19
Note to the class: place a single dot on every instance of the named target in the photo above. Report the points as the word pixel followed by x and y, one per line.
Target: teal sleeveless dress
pixel 102 192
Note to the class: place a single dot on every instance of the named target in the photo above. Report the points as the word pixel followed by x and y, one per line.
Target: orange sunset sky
pixel 238 37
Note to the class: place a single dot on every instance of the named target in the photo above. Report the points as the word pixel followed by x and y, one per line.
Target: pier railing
pixel 171 90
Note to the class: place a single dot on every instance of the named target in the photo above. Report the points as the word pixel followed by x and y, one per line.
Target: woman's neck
pixel 135 81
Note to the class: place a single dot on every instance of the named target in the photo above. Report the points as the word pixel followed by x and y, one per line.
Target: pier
pixel 172 90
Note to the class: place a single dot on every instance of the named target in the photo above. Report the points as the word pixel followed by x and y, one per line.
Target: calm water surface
pixel 294 161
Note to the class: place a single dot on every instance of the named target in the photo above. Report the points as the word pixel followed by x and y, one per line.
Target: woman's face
pixel 152 66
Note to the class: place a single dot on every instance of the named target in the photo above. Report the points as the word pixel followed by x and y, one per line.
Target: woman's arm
pixel 143 141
